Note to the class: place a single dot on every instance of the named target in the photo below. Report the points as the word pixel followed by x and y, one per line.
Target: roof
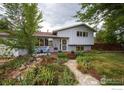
pixel 47 34
pixel 43 33
pixel 39 34
pixel 35 34
pixel 72 26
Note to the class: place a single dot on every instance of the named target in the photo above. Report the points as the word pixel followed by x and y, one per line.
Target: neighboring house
pixel 79 37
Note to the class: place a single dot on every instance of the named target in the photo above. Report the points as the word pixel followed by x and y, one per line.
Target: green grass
pixel 110 65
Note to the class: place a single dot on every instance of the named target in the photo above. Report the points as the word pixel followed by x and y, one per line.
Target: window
pixel 63 41
pixel 63 47
pixel 79 33
pixel 46 42
pixel 79 48
pixel 41 42
pixel 85 34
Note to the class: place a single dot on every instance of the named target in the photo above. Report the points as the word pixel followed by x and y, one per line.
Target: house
pixel 79 37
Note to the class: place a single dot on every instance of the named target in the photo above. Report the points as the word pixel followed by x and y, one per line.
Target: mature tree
pixel 23 22
pixel 111 14
pixel 105 37
pixel 31 20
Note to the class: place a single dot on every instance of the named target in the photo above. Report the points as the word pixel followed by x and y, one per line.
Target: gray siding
pixel 73 39
pixel 73 48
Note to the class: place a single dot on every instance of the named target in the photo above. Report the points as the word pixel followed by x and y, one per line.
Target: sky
pixel 58 15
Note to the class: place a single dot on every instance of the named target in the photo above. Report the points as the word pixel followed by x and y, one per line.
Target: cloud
pixel 57 15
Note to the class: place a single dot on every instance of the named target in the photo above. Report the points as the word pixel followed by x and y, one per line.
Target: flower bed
pixel 37 71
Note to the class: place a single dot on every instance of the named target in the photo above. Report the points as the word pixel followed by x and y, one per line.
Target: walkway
pixel 83 79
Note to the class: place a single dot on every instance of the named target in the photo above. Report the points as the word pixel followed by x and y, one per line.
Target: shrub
pixel 85 63
pixel 84 59
pixel 82 68
pixel 67 78
pixel 51 74
pixel 62 57
pixel 29 77
pixel 45 76
pixel 80 54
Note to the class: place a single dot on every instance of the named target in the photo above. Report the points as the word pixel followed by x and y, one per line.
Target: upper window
pixel 85 34
pixel 80 34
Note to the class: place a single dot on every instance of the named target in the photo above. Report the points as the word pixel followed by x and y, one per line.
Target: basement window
pixel 79 48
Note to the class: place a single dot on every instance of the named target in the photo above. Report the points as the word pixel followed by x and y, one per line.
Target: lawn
pixel 108 66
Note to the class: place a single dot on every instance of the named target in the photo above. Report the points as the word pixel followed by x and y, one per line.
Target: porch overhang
pixel 52 36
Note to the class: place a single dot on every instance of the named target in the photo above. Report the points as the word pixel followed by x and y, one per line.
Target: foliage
pixel 29 78
pixel 110 65
pixel 62 57
pixel 23 22
pixel 67 78
pixel 80 53
pixel 84 59
pixel 4 24
pixel 51 74
pixel 45 76
pixel 111 15
pixel 106 37
pixel 15 63
pixel 7 82
pixel 79 59
pixel 85 62
pixel 82 68
pixel 9 66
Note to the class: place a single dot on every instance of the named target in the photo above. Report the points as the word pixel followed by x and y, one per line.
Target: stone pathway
pixel 83 79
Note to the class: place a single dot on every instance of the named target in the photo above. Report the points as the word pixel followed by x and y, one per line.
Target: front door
pixel 46 42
